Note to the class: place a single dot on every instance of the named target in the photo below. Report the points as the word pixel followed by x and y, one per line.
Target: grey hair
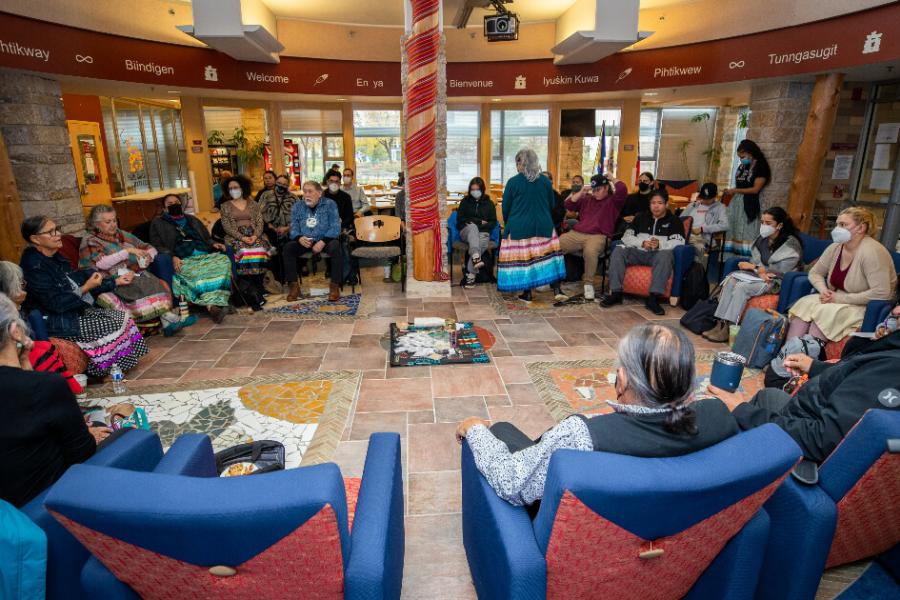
pixel 9 316
pixel 528 159
pixel 97 212
pixel 11 278
pixel 659 363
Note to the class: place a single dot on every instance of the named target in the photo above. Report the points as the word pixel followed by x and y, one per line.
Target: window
pixel 462 149
pixel 146 146
pixel 648 140
pixel 607 121
pixel 378 145
pixel 512 130
pixel 320 144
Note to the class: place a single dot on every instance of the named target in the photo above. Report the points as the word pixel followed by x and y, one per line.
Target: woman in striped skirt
pixel 529 253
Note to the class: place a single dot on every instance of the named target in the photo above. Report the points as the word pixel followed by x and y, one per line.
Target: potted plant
pixel 216 137
pixel 249 151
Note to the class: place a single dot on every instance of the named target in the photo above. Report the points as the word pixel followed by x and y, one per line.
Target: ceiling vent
pixel 219 25
pixel 615 25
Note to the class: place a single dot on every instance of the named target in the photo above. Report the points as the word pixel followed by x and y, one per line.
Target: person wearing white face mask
pixel 776 251
pixel 475 219
pixel 341 198
pixel 361 206
pixel 850 273
pixel 244 228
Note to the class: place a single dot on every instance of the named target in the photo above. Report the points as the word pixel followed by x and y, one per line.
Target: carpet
pixel 305 412
pixel 874 584
pixel 317 308
pixel 413 346
pixel 584 386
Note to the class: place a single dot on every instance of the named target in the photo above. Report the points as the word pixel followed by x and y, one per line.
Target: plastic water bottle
pixel 118 380
pixel 771 343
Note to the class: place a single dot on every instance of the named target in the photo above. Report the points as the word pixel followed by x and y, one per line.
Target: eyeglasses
pixel 51 232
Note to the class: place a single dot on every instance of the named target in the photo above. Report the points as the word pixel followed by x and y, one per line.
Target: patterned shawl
pixel 97 245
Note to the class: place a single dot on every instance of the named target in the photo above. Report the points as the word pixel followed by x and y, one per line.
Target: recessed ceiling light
pixel 341 99
pixel 651 93
pixel 496 99
pixel 173 92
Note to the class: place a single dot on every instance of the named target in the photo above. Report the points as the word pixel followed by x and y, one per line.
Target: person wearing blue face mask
pixel 475 218
pixel 852 271
pixel 752 176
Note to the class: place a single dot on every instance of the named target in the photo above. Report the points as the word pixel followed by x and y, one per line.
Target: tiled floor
pixel 423 404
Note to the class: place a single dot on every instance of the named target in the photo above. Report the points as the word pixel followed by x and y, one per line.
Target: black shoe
pixel 525 296
pixel 611 299
pixel 653 306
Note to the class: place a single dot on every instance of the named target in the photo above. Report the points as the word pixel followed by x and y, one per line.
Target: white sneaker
pixel 588 291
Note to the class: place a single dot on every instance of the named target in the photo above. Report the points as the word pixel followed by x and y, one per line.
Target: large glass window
pixel 318 140
pixel 686 144
pixel 512 130
pixel 648 139
pixel 593 154
pixel 378 145
pixel 462 148
pixel 146 146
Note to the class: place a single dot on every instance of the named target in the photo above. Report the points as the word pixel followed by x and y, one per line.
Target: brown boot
pixel 334 293
pixel 295 292
pixel 720 334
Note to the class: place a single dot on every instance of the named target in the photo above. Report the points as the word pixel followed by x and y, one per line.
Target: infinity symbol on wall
pixel 84 59
pixel 736 64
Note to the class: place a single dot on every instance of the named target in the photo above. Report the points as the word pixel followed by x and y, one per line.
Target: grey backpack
pixel 805 344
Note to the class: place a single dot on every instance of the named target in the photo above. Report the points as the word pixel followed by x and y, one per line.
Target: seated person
pixel 828 405
pixel 340 198
pixel 244 228
pixel 636 203
pixel 360 202
pixel 851 271
pixel 400 199
pixel 275 206
pixel 269 177
pixel 113 252
pixel 65 298
pixel 475 219
pixel 574 188
pixel 202 274
pixel 44 355
pixel 776 251
pixel 44 432
pixel 649 240
pixel 558 214
pixel 598 208
pixel 653 417
pixel 709 218
pixel 316 228
pixel 569 217
pixel 219 193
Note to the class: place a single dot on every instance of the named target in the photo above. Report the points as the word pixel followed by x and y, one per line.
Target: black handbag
pixel 252 458
pixel 701 317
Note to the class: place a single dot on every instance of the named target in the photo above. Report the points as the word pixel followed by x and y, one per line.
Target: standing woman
pixel 529 254
pixel 752 176
pixel 242 221
pixel 66 300
pixel 852 271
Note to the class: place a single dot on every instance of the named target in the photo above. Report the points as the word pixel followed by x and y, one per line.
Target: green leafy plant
pixel 683 149
pixel 712 153
pixel 744 119
pixel 216 137
pixel 249 151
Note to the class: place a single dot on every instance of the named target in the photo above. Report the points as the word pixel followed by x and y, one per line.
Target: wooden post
pixel 813 148
pixel 11 243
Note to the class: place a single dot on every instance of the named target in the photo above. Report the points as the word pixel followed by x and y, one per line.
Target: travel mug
pixel 727 370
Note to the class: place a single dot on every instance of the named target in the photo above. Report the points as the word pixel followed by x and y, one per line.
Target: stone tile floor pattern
pixel 422 404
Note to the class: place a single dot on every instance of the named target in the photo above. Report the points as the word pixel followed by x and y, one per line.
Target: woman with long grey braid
pixel 653 415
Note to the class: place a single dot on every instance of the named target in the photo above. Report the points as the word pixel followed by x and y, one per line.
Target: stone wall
pixel 33 124
pixel 570 156
pixel 777 121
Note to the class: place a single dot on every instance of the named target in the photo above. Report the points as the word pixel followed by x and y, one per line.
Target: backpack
pixel 701 317
pixel 244 293
pixel 805 344
pixel 486 273
pixel 694 287
pixel 760 338
pixel 252 458
pixel 574 267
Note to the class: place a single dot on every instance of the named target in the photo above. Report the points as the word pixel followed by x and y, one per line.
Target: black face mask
pixel 644 187
pixel 281 189
pixel 175 210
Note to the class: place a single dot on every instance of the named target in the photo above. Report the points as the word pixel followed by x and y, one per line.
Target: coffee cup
pixel 727 370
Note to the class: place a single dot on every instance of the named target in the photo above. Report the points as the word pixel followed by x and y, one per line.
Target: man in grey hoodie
pixel 709 218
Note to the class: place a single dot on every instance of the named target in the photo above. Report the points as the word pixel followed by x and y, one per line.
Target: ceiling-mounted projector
pixel 501 28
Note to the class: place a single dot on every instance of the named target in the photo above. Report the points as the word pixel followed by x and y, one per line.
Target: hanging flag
pixel 601 150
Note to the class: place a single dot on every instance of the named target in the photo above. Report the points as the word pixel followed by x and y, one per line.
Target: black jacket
pixel 164 233
pixel 475 211
pixel 669 229
pixel 834 399
pixel 50 292
pixel 635 203
pixel 345 207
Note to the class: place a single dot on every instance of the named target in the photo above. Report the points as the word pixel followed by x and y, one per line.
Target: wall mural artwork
pixel 422 49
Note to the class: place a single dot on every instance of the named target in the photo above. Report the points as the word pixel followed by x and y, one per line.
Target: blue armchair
pixel 612 525
pixel 454 242
pixel 137 450
pixel 200 535
pixel 842 518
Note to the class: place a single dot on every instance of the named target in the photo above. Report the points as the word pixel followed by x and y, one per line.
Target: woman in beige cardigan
pixel 850 273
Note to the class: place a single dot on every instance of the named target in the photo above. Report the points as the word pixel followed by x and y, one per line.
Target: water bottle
pixel 771 343
pixel 118 380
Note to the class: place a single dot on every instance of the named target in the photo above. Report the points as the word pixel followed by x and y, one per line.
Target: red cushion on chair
pixel 351 488
pixel 637 281
pixel 867 525
pixel 307 559
pixel 591 557
pixel 76 360
pixel 71 249
pixel 834 350
pixel 764 302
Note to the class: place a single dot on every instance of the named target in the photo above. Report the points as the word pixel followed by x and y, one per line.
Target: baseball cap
pixel 708 190
pixel 599 180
